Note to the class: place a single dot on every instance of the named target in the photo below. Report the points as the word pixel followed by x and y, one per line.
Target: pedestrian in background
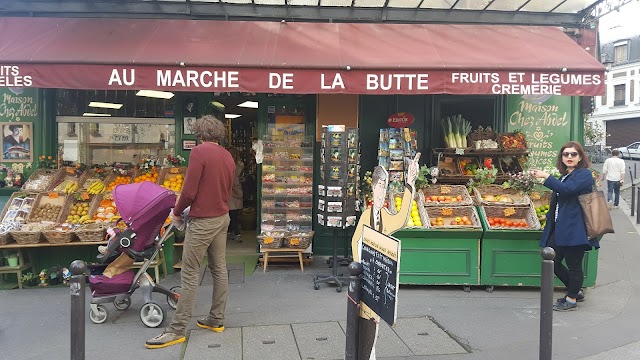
pixel 613 172
pixel 566 231
pixel 236 202
pixel 207 189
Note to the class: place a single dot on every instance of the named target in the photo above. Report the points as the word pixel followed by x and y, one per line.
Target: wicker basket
pixel 112 177
pixel 68 174
pixel 30 233
pixel 512 213
pixel 271 239
pixel 73 200
pixel 18 194
pixel 540 198
pixel 41 180
pixel 91 232
pixel 298 240
pixel 482 134
pixel 463 161
pixel 5 238
pixel 459 192
pixel 510 148
pixel 419 198
pixel 45 198
pixel 170 173
pixel 138 172
pixel 517 198
pixel 511 165
pixel 448 166
pixel 449 214
pixel 94 175
pixel 58 237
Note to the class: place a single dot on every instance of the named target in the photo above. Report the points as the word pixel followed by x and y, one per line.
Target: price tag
pixel 294 241
pixel 509 211
pixel 445 189
pixel 53 195
pixel 459 151
pixel 268 240
pixel 447 211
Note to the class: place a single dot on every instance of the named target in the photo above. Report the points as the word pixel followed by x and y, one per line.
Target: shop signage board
pixel 380 259
pixel 18 104
pixel 400 120
pixel 305 81
pixel 546 123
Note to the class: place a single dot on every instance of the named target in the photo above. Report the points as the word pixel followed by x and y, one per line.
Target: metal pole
pixel 546 304
pixel 77 282
pixel 633 191
pixel 638 209
pixel 353 309
pixel 635 170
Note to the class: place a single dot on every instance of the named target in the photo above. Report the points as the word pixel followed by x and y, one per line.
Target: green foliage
pixel 593 133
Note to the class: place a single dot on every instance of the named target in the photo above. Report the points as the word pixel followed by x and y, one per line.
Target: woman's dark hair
pixel 584 159
pixel 13 127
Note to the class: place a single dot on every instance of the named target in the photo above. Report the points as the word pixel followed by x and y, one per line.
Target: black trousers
pixel 572 275
pixel 234 225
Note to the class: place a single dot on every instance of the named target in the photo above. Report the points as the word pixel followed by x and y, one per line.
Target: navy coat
pixel 570 229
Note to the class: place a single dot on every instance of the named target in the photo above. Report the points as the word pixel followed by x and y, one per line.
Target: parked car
pixel 630 151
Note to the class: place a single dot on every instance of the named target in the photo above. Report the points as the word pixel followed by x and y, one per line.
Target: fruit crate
pixel 512 142
pixel 444 195
pixel 395 201
pixel 541 201
pixel 41 180
pixel 496 194
pixel 52 200
pixel 172 178
pixel 93 175
pixel 77 207
pixel 448 166
pixel 456 217
pixel 507 217
pixel 468 166
pixel 149 175
pixel 67 176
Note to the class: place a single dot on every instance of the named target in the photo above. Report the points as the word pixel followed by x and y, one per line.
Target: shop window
pixel 621 53
pixel 92 141
pixel 114 103
pixel 620 93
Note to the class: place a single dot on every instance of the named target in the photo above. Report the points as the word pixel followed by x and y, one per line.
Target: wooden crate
pixel 18 194
pixel 45 198
pixel 138 173
pixel 41 180
pixel 168 174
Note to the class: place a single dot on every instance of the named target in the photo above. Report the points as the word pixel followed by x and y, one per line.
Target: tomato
pixel 509 223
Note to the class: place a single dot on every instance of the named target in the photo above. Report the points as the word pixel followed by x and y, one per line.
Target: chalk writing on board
pixel 546 124
pixel 19 105
pixel 380 263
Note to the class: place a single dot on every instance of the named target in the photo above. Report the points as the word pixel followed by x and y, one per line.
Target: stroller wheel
pixel 100 315
pixel 151 314
pixel 123 304
pixel 173 301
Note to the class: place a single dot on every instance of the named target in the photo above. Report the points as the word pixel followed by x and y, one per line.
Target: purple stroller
pixel 144 207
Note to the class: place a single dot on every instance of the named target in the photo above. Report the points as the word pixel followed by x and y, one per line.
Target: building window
pixel 620 93
pixel 631 91
pixel 620 54
pixel 603 99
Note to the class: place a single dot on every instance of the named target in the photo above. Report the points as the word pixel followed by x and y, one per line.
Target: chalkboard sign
pixel 380 258
pixel 545 121
pixel 19 104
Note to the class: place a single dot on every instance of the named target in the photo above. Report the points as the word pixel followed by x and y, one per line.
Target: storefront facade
pixel 357 75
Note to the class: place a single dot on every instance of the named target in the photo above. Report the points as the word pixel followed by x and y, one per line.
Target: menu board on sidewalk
pixel 380 258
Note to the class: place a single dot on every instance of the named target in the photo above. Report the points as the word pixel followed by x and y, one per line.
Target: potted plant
pixel 12 260
pixel 29 280
pixel 43 278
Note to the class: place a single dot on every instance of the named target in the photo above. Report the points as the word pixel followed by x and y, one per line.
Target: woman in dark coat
pixel 565 231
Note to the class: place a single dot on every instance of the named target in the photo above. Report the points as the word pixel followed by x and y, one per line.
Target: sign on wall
pixel 545 121
pixel 18 104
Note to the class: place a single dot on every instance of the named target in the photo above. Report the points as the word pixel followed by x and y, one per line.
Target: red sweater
pixel 209 181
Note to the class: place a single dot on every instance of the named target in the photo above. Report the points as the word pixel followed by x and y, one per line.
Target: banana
pixel 96 188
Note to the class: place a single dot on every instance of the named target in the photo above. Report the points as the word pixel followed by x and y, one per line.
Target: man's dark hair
pixel 615 152
pixel 13 127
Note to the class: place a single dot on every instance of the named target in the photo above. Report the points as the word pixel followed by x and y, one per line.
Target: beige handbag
pixel 596 214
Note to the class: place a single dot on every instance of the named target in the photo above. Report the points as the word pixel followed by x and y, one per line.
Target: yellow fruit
pixel 166 183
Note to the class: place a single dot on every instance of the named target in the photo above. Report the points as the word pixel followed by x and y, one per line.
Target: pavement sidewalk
pixel 278 315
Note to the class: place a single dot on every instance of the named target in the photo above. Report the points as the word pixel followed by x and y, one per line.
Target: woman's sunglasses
pixel 570 154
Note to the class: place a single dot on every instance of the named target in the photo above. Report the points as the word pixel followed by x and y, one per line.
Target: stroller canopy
pixel 140 202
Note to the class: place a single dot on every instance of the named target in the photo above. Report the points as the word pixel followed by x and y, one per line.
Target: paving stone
pixel 389 343
pixel 424 337
pixel 235 272
pixel 205 344
pixel 320 340
pixel 269 342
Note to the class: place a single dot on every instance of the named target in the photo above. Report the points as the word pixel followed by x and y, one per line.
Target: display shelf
pixel 277 166
pixel 481 152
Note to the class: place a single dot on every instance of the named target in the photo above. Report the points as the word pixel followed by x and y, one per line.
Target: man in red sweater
pixel 207 189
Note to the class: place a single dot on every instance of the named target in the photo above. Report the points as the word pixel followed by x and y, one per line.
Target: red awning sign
pixel 205 79
pixel 296 58
pixel 400 120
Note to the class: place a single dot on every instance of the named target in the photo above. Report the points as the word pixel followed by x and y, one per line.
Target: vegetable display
pixel 455 130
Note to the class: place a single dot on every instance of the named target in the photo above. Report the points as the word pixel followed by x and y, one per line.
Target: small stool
pixel 155 264
pixel 279 250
